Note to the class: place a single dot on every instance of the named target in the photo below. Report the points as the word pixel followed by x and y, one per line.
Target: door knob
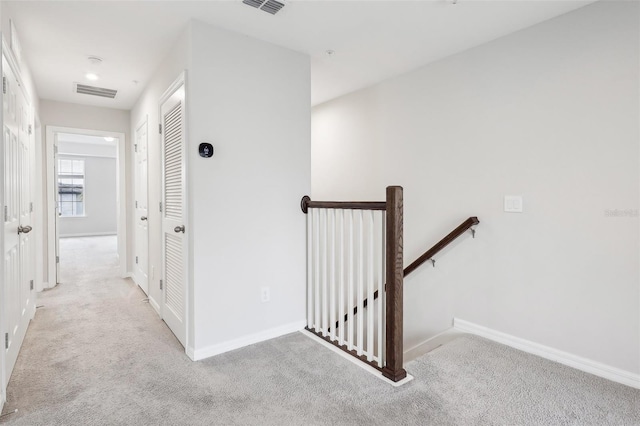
pixel 143 218
pixel 24 229
pixel 179 229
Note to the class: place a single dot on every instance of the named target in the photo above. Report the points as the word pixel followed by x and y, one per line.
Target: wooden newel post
pixel 394 303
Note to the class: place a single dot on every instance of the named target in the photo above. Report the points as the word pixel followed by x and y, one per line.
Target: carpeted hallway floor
pixel 95 354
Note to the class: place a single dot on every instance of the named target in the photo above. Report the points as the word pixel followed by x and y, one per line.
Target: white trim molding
pixel 579 363
pixel 230 345
pixel 50 212
pixel 88 234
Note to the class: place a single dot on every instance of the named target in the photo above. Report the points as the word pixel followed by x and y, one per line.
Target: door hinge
pixel 136 260
pixel 135 147
pixel 4 85
pixel 31 207
pixel 160 206
pixel 55 149
pixel 136 204
pixel 160 284
pixel 6 213
pixel 57 259
pixel 31 284
pixel 160 128
pixel 30 129
pixel 6 340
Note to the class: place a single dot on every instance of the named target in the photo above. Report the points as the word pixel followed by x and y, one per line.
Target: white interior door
pixel 142 211
pixel 57 212
pixel 19 247
pixel 173 306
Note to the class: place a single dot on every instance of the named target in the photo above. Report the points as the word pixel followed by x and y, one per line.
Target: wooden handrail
pixel 464 226
pixel 306 204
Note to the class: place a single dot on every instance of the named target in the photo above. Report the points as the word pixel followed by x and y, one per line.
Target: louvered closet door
pixel 173 229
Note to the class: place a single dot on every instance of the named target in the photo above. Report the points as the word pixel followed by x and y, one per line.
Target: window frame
pixel 83 176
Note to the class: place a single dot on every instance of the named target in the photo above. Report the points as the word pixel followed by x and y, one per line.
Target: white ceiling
pixel 372 40
pixel 76 138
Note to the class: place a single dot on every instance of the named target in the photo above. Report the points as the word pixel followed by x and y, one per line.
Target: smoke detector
pixel 94 60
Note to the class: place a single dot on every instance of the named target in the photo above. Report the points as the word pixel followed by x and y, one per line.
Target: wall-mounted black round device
pixel 206 150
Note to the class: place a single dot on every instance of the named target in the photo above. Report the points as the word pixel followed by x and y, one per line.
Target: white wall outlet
pixel 513 203
pixel 265 294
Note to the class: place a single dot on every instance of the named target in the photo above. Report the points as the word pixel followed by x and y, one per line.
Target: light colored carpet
pixel 96 355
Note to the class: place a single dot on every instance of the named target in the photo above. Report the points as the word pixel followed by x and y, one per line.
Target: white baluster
pixel 371 268
pixel 341 270
pixel 382 293
pixel 332 274
pixel 350 285
pixel 310 268
pixel 360 290
pixel 316 270
pixel 325 272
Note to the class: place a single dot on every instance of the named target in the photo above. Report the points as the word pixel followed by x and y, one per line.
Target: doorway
pixel 85 191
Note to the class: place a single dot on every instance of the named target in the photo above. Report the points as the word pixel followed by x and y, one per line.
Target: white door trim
pixel 51 204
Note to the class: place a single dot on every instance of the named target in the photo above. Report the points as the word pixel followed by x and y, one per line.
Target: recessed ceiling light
pixel 91 76
pixel 109 139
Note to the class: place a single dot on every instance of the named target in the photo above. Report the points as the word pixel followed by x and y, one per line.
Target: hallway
pixel 89 335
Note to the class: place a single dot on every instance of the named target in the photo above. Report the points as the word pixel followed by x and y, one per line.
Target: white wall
pixel 147 107
pixel 245 227
pixel 62 114
pixel 550 113
pixel 250 99
pixel 100 197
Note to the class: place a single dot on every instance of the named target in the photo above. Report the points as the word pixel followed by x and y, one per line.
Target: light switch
pixel 513 203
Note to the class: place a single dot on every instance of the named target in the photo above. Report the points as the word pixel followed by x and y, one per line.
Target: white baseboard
pixel 354 360
pixel 47 286
pixel 88 234
pixel 431 344
pixel 190 353
pixel 155 305
pixel 579 363
pixel 250 339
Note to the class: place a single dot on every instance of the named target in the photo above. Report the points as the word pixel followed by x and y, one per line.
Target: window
pixel 70 187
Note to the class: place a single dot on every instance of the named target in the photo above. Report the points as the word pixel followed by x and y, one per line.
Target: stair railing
pixel 355 258
pixel 353 249
pixel 430 253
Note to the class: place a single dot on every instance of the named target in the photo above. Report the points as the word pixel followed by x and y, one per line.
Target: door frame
pixel 121 203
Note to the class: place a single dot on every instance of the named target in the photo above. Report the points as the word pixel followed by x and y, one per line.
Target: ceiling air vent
pixel 96 91
pixel 269 6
